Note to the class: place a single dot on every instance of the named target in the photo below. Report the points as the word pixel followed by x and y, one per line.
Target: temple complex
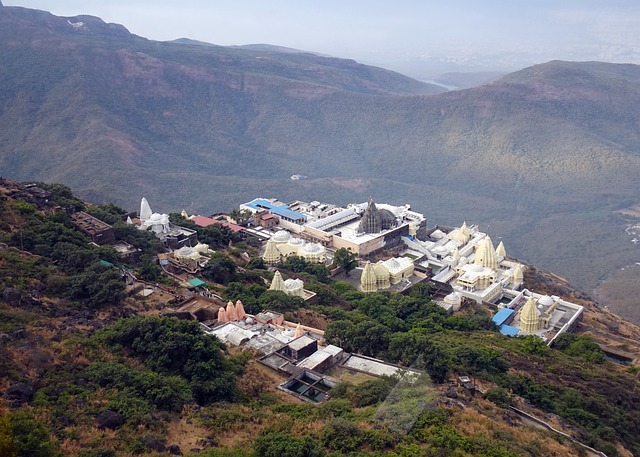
pixel 385 273
pixel 465 259
pixel 173 236
pixel 291 286
pixel 365 228
pixel 282 245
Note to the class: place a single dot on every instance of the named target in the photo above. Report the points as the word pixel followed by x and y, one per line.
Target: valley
pixel 543 158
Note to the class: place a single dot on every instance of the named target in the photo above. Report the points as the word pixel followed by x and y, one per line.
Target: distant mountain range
pixel 541 157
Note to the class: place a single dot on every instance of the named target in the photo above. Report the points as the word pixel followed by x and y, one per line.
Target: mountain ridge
pixel 206 127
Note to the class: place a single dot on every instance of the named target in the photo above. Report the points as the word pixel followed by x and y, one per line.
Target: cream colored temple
pixel 466 259
pixel 393 246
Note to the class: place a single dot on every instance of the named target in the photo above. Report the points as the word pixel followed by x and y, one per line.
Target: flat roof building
pixel 100 232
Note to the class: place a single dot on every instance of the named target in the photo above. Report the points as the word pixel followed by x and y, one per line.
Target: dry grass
pixel 472 422
pixel 185 432
pixel 258 379
pixel 346 375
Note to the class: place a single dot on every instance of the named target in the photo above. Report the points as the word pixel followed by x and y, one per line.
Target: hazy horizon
pixel 417 38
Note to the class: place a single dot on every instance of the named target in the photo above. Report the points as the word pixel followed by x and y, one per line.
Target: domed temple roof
pixel 312 248
pixel 281 236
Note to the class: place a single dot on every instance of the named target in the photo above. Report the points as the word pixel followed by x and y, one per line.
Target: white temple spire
pixel 145 210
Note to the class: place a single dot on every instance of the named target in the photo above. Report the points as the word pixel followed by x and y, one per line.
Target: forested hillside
pixel 89 370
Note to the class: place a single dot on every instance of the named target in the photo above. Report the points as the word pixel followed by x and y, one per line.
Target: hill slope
pixel 87 371
pixel 544 156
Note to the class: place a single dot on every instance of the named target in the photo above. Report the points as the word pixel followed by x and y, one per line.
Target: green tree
pixel 7 447
pixel 256 263
pixel 168 393
pixel 276 300
pixel 220 269
pixel 31 438
pixel 146 241
pixel 531 344
pixel 97 286
pixel 345 259
pixel 149 270
pixel 294 263
pixel 172 346
pixel 579 346
pixel 499 395
pixel 241 217
pixel 73 259
pixel 342 435
pixel 109 213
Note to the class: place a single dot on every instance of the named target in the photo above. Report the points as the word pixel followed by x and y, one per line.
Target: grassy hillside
pixel 86 373
pixel 540 158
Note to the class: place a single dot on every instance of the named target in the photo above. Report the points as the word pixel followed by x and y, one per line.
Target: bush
pixel 7 446
pixel 372 391
pixel 174 347
pixel 167 393
pixel 500 396
pixel 278 444
pixel 579 346
pixel 31 438
pixel 341 435
pixel 100 452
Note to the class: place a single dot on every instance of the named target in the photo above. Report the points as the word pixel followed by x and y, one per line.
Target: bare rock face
pixel 110 419
pixel 20 392
pixel 153 443
pixel 12 296
pixel 40 361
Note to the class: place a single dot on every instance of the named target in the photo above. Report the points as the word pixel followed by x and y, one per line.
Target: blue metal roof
pixel 509 330
pixel 282 210
pixel 501 316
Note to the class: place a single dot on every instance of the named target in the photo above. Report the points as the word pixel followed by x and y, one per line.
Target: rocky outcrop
pixel 153 443
pixel 110 419
pixel 20 392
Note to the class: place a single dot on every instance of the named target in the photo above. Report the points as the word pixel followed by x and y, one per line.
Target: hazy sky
pixel 498 33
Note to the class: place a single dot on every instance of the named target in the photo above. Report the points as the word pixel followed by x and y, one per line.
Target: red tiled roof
pixel 202 221
pixel 233 227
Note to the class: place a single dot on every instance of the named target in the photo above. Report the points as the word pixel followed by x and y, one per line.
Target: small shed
pixel 502 316
pixel 195 282
pixel 509 330
pixel 300 348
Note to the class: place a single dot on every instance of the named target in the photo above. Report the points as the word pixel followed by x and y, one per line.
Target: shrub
pixel 175 347
pixel 31 438
pixel 341 435
pixel 278 444
pixel 499 395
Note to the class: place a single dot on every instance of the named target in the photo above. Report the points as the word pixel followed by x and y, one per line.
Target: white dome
pixel 440 250
pixel 281 236
pixel 311 248
pixel 156 217
pixel 293 284
pixel 453 298
pixel 546 300
pixel 295 242
pixel 437 234
pixel 185 251
pixel 476 268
